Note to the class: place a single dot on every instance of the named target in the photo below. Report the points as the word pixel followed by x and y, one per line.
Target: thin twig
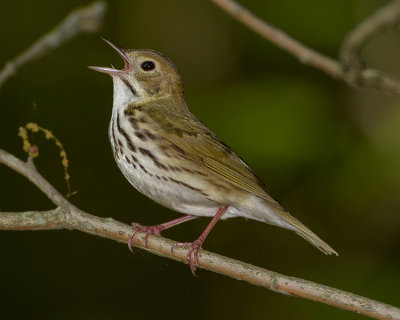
pixel 363 78
pixel 386 17
pixel 281 39
pixel 350 53
pixel 69 217
pixel 82 20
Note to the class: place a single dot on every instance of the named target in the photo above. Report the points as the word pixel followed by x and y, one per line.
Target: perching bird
pixel 167 154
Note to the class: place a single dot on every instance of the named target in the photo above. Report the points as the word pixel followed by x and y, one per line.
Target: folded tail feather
pixel 306 233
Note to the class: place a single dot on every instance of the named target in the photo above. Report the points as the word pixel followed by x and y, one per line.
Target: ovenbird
pixel 167 154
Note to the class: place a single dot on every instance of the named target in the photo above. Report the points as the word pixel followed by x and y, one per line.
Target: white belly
pixel 165 187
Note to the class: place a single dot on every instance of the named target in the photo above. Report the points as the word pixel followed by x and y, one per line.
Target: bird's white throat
pixel 123 92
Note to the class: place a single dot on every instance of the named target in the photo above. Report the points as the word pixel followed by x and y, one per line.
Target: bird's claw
pixel 193 247
pixel 149 230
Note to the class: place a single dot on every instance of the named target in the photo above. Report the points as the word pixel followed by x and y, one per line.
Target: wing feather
pixel 234 177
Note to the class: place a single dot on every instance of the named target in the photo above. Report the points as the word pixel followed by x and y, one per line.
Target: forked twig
pixel 349 68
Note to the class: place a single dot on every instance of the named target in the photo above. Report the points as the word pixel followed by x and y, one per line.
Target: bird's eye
pixel 148 65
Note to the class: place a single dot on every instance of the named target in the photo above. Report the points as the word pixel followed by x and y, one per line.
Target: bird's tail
pixel 304 232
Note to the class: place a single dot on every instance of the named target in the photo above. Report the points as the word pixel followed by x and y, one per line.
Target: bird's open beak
pixel 122 53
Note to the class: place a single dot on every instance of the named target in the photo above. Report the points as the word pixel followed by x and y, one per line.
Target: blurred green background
pixel 327 152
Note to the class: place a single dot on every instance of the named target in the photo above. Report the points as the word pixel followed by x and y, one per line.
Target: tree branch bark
pixel 349 67
pixel 67 216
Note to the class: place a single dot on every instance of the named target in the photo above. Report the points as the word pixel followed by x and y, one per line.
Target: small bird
pixel 167 154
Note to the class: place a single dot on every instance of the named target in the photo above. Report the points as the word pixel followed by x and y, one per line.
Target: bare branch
pixel 350 69
pixel 305 54
pixel 83 20
pixel 350 53
pixel 69 217
pixel 374 79
pixel 33 220
pixel 386 17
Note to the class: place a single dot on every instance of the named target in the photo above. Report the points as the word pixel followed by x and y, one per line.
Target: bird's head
pixel 147 75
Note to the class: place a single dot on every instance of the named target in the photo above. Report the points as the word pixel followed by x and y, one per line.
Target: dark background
pixel 327 152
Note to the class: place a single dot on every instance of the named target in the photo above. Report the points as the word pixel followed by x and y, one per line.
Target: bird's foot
pixel 194 248
pixel 149 230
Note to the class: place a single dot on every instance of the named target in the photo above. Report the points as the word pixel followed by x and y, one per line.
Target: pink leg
pixel 156 229
pixel 196 245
